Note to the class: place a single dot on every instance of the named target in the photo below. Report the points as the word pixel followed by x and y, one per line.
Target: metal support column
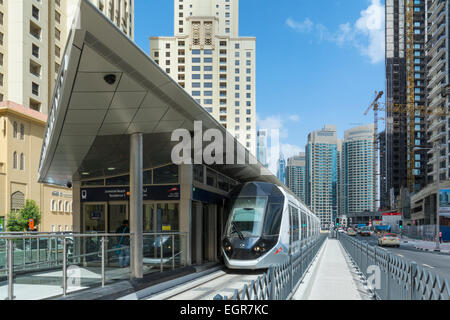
pixel 10 269
pixel 136 205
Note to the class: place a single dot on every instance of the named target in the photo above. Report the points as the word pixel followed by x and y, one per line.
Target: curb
pixel 432 250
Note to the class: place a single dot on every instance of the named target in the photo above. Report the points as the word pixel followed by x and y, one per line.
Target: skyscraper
pixel 33 35
pixel 207 57
pixel 404 61
pixel 281 170
pixel 438 99
pixel 261 147
pixel 296 175
pixel 359 174
pixel 322 174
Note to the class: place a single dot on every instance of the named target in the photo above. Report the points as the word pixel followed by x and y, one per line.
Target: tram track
pixel 223 282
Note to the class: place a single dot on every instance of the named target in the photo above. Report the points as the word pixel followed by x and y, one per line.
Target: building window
pixel 15 160
pixel 35 68
pixel 22 132
pixel 35 30
pixel 35 88
pixel 35 50
pixel 35 12
pixel 22 162
pixel 17 201
pixel 53 205
pixel 15 130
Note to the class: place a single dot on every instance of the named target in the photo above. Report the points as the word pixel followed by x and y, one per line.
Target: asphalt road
pixel 434 261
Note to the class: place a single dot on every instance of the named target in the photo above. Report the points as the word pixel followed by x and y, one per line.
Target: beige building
pixel 33 35
pixel 207 57
pixel 21 135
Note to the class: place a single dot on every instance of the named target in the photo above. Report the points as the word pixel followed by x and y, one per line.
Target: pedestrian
pixel 440 237
pixel 123 246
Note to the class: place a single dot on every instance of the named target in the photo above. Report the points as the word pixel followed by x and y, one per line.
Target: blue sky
pixel 317 62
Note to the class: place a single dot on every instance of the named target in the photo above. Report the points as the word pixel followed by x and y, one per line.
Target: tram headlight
pixel 227 246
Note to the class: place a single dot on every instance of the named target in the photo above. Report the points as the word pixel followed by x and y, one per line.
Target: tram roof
pixel 90 121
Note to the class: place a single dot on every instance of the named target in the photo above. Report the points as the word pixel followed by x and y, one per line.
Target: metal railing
pixel 83 259
pixel 280 282
pixel 391 277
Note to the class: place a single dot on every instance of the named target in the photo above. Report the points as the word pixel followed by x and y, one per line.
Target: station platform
pixel 331 277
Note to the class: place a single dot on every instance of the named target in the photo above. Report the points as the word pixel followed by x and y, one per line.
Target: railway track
pixel 223 282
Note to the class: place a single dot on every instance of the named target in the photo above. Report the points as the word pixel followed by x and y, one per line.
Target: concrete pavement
pixel 331 277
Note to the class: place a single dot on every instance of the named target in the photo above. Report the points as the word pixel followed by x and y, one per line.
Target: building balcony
pixel 436 9
pixel 436 124
pixel 437 79
pixel 436 22
pixel 438 54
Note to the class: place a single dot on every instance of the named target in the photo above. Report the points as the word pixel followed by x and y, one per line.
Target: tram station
pixel 108 137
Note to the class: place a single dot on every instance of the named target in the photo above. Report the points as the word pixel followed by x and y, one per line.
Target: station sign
pixel 157 193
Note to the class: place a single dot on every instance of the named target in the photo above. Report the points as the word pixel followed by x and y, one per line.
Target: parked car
pixel 389 239
pixel 351 232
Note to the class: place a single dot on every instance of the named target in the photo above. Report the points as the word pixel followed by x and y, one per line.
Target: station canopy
pixel 90 121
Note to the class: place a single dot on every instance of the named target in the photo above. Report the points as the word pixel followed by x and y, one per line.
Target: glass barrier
pixel 40 270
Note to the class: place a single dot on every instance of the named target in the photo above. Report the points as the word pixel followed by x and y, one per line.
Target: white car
pixel 351 232
pixel 389 239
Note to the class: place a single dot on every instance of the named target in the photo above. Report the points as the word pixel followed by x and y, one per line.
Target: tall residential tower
pixel 358 170
pixel 405 99
pixel 296 175
pixel 322 174
pixel 207 57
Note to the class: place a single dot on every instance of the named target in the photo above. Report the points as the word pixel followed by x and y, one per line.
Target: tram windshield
pixel 247 217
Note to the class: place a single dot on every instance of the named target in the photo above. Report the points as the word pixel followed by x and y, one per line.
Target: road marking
pixel 425 265
pixel 401 255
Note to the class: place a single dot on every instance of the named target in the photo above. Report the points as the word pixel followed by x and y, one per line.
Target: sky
pixel 317 62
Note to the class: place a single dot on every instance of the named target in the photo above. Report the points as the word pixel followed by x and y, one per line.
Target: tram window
pixel 167 174
pixel 272 221
pixel 304 223
pixel 294 220
pixel 118 181
pixel 199 173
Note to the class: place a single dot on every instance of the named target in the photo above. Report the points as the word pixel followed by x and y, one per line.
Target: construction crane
pixel 410 98
pixel 375 106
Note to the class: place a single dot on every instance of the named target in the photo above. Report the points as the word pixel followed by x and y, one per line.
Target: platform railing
pixel 48 264
pixel 280 282
pixel 391 277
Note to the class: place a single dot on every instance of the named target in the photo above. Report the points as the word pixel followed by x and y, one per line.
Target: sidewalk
pixel 331 277
pixel 426 245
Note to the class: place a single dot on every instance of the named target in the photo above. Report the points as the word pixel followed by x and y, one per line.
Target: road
pixel 434 261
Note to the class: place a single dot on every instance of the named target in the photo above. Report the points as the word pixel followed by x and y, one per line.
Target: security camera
pixel 110 79
pixel 69 184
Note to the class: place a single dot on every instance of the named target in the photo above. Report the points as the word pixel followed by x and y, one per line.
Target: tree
pixel 14 222
pixel 18 221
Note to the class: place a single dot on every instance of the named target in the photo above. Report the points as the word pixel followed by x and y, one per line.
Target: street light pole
pixel 438 228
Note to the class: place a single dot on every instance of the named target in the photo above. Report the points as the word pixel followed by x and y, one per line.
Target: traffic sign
pixel 31 224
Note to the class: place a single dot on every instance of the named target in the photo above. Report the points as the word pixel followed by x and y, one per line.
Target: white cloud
pixel 366 34
pixel 278 122
pixel 290 150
